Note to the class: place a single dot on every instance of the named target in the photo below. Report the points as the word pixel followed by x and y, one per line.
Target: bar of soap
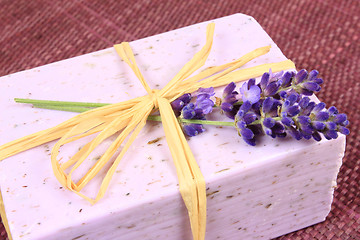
pixel 259 192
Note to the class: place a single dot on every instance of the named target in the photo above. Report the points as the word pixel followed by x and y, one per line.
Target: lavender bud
pixel 227 107
pixel 287 121
pixel 344 130
pixel 229 89
pixel 293 111
pixel 286 79
pixel 300 76
pixel 313 74
pixel 249 117
pixel 318 125
pixel 269 122
pixel 267 104
pixel 320 106
pixel 333 110
pixel 322 116
pixel 264 80
pixel 311 86
pixel 271 89
pixel 247 133
pixel 316 136
pixel 339 118
pixel 190 130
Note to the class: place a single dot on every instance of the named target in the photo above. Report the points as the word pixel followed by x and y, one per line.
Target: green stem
pixel 240 102
pixel 196 121
pixel 207 122
pixel 60 103
pixel 63 108
pixel 85 106
pixel 285 89
pixel 260 120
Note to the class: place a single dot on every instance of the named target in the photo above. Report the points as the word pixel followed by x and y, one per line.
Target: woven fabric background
pixel 320 34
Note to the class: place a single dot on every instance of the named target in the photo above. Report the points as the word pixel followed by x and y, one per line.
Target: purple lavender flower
pixel 178 104
pixel 243 120
pixel 307 84
pixel 269 111
pixel 192 130
pixel 203 100
pixel 330 123
pixel 314 119
pixel 305 127
pixel 289 109
pixel 250 92
pixel 306 106
pixel 190 111
pixel 277 106
pixel 280 83
pixel 202 106
pixel 275 76
pixel 270 107
pixel 286 79
pixel 270 83
pixel 228 101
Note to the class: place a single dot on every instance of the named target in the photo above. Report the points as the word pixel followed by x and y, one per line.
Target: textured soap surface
pixel 253 192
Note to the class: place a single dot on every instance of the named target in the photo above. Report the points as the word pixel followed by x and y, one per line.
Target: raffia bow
pixel 129 117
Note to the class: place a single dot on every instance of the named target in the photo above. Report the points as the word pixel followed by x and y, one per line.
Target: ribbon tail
pixel 138 122
pixel 191 181
pixel 31 141
pixel 194 64
pixel 251 72
pixel 211 73
pixel 48 135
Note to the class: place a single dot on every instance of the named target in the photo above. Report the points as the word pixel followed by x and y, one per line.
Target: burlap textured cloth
pixel 322 35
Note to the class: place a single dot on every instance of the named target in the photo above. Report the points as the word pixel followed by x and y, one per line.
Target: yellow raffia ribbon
pixel 129 117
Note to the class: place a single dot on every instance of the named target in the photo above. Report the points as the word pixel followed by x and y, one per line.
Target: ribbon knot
pixel 129 117
pixel 155 95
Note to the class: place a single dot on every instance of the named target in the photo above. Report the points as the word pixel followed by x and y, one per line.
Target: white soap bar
pixel 258 192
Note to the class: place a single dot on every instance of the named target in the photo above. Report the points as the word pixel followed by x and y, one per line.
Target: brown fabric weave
pixel 320 34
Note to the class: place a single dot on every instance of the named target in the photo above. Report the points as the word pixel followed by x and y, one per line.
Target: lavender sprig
pixel 202 106
pixel 277 106
pixel 282 107
pixel 228 104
